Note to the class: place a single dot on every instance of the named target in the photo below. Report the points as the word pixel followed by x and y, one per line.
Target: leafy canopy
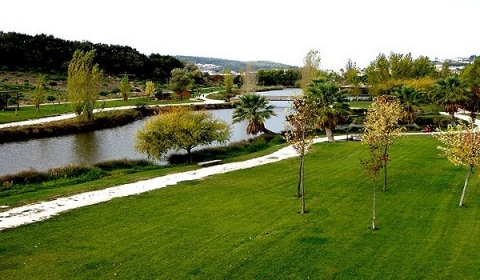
pixel 180 129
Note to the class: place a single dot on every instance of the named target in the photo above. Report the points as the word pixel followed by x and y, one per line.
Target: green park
pixel 380 181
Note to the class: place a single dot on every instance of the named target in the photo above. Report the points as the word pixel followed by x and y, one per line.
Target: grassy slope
pixel 245 225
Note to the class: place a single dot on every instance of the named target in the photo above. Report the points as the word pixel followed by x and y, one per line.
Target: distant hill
pixel 218 64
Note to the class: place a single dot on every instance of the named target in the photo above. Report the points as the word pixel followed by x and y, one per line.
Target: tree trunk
pixel 465 186
pixel 329 133
pixel 190 158
pixel 452 118
pixel 385 178
pixel 300 175
pixel 303 193
pixel 373 204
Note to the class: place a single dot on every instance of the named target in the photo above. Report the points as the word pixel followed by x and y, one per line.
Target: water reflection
pixel 107 144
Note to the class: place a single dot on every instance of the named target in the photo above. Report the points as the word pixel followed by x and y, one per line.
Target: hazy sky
pixel 248 30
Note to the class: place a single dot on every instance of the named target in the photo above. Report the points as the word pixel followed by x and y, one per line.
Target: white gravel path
pixel 72 115
pixel 43 210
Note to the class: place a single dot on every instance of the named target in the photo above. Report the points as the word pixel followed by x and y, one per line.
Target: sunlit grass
pixel 245 225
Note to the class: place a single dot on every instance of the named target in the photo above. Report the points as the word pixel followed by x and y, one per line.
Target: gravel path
pixel 43 210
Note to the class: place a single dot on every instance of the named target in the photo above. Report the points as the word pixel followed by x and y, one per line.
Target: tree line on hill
pixel 47 54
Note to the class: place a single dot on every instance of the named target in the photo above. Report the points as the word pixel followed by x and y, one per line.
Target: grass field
pixel 245 225
pixel 47 110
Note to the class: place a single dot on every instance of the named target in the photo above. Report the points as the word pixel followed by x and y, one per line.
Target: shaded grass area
pixel 244 225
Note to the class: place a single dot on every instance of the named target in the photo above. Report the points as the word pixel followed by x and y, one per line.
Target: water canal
pixel 108 144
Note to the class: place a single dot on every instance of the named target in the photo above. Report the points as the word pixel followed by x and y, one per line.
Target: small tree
pixel 380 132
pixel 180 129
pixel 228 80
pixel 461 147
pixel 52 98
pixel 249 79
pixel 381 128
pixel 125 88
pixel 298 131
pixel 149 89
pixel 256 110
pixel 181 81
pixel 39 92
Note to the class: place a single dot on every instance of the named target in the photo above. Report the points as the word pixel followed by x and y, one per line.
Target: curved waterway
pixel 107 144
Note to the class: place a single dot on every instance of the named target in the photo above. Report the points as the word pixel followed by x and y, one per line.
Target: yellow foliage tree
pixel 180 129
pixel 301 123
pixel 149 89
pixel 461 147
pixel 381 130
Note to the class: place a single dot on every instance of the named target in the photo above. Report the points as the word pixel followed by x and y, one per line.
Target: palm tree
pixel 255 109
pixel 331 105
pixel 450 94
pixel 410 100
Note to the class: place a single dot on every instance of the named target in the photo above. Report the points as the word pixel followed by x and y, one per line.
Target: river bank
pixel 108 118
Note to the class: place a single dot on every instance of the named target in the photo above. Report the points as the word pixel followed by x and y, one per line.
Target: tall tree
pixel 331 105
pixel 310 69
pixel 125 88
pixel 380 133
pixel 39 92
pixel 381 129
pixel 299 132
pixel 82 83
pixel 180 129
pixel 450 94
pixel 228 80
pixel 461 147
pixel 254 109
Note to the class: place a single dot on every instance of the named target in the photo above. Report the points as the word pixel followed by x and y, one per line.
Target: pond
pixel 107 144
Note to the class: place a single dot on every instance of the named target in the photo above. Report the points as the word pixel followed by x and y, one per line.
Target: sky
pixel 250 30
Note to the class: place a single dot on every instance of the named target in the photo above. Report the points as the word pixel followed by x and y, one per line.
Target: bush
pixel 122 164
pixel 233 149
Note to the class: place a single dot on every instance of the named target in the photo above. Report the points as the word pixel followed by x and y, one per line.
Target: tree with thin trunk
pixel 255 109
pixel 380 132
pixel 331 105
pixel 299 130
pixel 125 88
pixel 381 129
pixel 39 92
pixel 83 83
pixel 461 147
pixel 310 69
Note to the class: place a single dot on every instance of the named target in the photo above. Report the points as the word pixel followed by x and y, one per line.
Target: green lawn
pixel 48 110
pixel 245 225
